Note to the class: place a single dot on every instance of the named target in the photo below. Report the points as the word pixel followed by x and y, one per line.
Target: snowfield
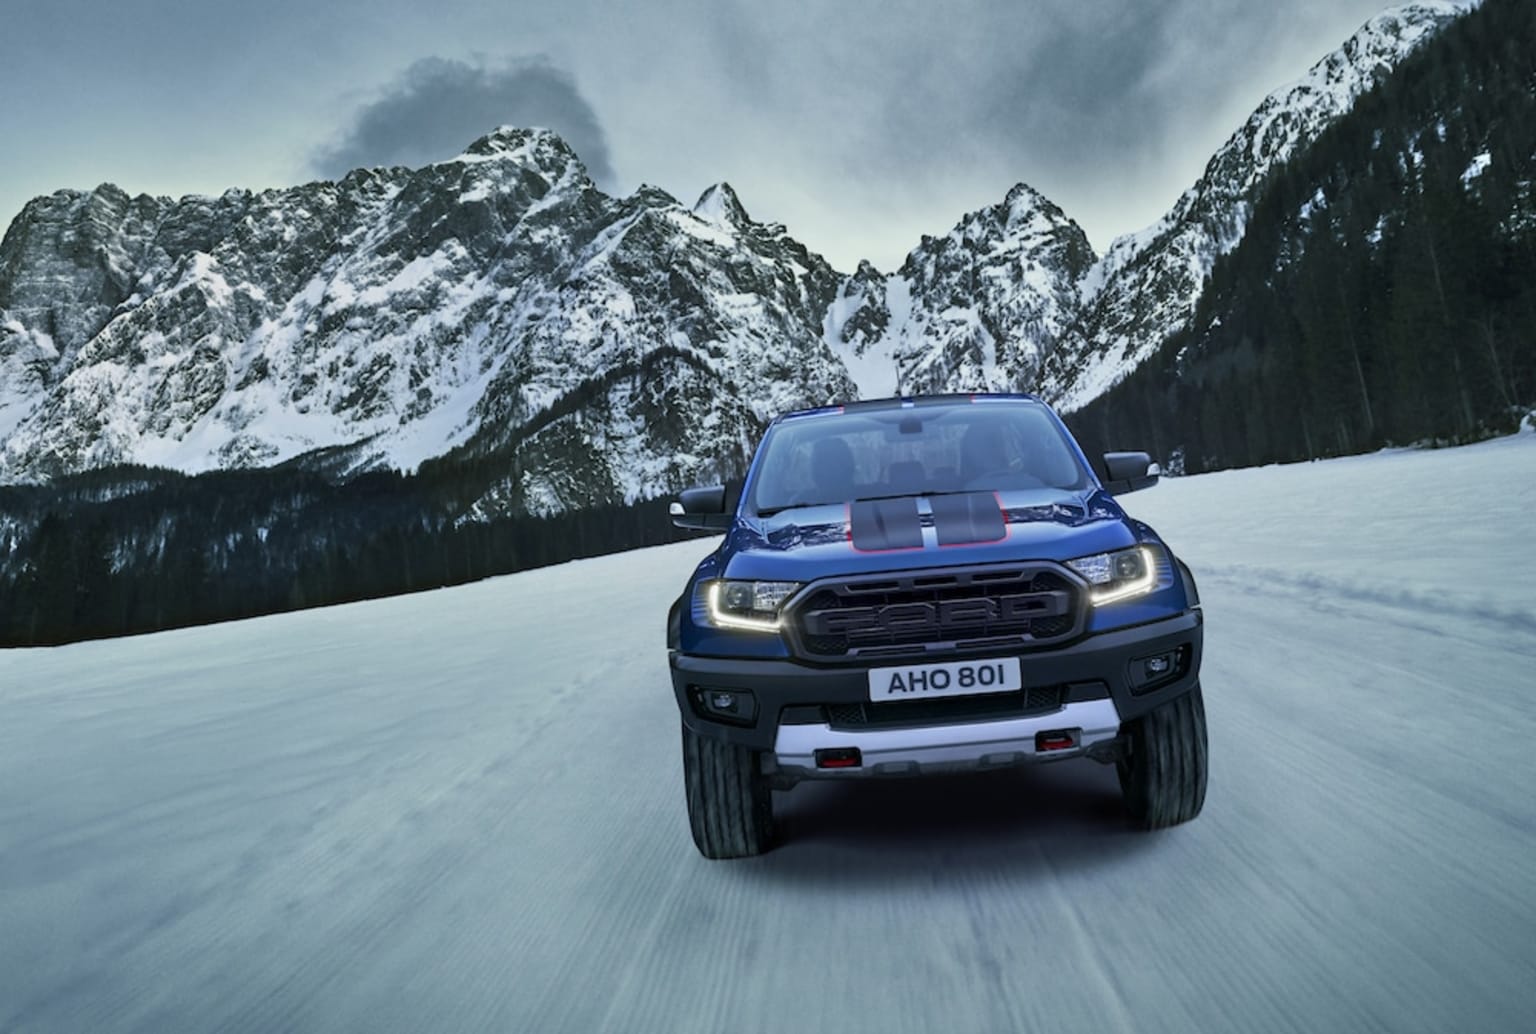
pixel 463 810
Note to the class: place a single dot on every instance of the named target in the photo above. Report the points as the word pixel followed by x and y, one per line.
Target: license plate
pixel 952 679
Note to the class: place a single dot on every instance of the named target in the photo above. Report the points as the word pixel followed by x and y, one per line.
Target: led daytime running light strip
pixel 724 619
pixel 1138 587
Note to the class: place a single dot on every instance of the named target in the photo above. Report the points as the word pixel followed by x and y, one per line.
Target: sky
pixel 860 125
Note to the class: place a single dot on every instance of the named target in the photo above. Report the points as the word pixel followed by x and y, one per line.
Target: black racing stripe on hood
pixel 962 519
pixel 878 524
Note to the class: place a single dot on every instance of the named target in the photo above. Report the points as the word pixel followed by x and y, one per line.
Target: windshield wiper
pixel 797 506
pixel 926 493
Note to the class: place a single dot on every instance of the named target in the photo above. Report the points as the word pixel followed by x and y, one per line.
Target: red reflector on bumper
pixel 1060 739
pixel 839 757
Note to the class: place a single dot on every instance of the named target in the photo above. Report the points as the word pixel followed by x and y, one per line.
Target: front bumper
pixel 1093 676
pixel 1090 725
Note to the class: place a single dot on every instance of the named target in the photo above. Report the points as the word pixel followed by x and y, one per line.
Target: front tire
pixel 1163 774
pixel 730 803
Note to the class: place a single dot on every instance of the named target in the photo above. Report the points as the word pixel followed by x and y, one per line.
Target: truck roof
pixel 910 402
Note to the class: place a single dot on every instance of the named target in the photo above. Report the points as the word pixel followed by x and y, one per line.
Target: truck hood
pixel 805 543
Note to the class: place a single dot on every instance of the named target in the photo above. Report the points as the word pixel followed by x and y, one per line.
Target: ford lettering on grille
pixel 935 611
pixel 945 617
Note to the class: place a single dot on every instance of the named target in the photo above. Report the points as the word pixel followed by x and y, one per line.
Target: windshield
pixel 927 450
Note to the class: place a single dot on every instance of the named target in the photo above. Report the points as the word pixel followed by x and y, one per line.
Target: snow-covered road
pixel 463 810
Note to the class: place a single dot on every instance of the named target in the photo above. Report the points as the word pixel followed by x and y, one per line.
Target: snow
pixel 1100 372
pixel 23 352
pixel 1460 554
pixel 1476 168
pixel 202 272
pixel 525 143
pixel 873 365
pixel 715 207
pixel 1375 233
pixel 720 232
pixel 381 329
pixel 1148 283
pixel 463 810
pixel 420 273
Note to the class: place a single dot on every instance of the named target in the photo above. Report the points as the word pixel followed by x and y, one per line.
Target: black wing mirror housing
pixel 1129 472
pixel 702 509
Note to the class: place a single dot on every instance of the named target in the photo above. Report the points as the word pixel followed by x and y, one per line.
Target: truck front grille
pixel 930 612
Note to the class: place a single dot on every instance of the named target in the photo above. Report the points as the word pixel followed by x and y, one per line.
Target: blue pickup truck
pixel 930 584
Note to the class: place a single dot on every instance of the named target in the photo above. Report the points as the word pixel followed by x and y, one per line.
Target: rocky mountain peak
pixel 70 258
pixel 1023 204
pixel 499 308
pixel 1025 225
pixel 519 142
pixel 498 302
pixel 542 152
pixel 719 204
pixel 974 309
pixel 649 195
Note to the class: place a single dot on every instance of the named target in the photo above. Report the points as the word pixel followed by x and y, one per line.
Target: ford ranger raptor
pixel 920 585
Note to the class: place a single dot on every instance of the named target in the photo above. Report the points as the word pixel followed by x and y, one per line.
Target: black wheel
pixel 730 804
pixel 1163 773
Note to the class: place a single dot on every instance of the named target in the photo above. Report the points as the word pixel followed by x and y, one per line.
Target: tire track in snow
pixel 1422 606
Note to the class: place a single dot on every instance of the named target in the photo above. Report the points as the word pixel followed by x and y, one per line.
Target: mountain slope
pixel 695 325
pixel 396 314
pixel 567 348
pixel 976 309
pixel 1146 285
pixel 1386 290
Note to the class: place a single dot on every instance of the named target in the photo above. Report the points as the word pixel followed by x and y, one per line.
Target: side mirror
pixel 702 509
pixel 1129 472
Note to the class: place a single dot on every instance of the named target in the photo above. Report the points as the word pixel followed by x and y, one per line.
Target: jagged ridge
pixel 500 311
pixel 1147 284
pixel 400 313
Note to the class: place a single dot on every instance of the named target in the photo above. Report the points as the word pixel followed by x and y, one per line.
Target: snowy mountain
pixel 399 313
pixel 1146 285
pixel 1386 290
pixel 1013 298
pixel 975 309
pixel 499 312
pixel 658 360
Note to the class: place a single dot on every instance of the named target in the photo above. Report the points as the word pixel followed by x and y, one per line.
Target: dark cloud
pixel 1075 84
pixel 1068 85
pixel 861 124
pixel 1080 93
pixel 439 106
pixel 1111 107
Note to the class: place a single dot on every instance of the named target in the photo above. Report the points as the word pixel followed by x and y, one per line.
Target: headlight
pixel 1117 576
pixel 753 605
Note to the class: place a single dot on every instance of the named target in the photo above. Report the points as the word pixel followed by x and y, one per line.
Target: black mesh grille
pixel 936 611
pixel 1037 700
pixel 1050 628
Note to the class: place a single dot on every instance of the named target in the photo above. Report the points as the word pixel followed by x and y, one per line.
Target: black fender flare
pixel 675 624
pixel 1191 591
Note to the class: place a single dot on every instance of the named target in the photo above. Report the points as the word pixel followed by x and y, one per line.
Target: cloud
pixel 1109 107
pixel 1066 85
pixel 438 106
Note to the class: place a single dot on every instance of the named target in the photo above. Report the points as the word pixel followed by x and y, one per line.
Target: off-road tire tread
pixel 1163 778
pixel 730 803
